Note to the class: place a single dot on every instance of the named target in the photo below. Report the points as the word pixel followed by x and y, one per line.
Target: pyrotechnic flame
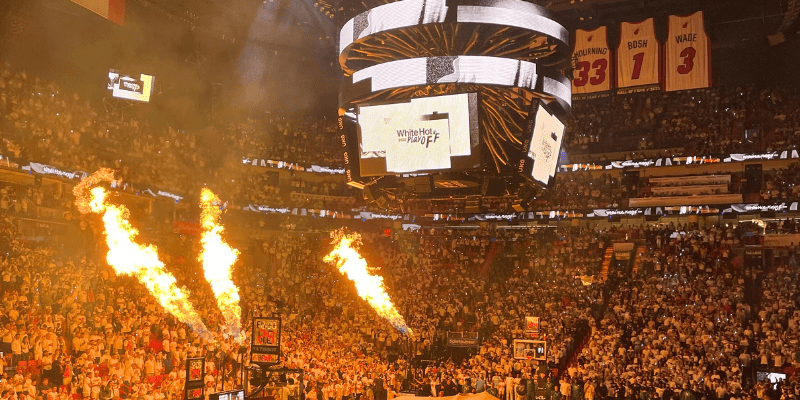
pixel 129 258
pixel 82 192
pixel 218 259
pixel 369 287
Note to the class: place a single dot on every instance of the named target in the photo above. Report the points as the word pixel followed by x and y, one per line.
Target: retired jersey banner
pixel 265 346
pixel 638 58
pixel 687 53
pixel 592 59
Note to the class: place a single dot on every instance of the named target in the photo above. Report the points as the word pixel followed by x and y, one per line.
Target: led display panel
pixel 126 87
pixel 480 70
pixel 419 136
pixel 406 13
pixel 542 150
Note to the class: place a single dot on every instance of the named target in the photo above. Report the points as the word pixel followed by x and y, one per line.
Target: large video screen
pixel 421 135
pixel 125 87
pixel 544 147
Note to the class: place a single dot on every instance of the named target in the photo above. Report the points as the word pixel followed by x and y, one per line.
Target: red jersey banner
pixel 687 53
pixel 638 57
pixel 593 62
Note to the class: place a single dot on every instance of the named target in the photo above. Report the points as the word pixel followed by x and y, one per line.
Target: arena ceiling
pixel 230 20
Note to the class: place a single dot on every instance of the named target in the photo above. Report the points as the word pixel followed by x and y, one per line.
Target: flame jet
pixel 369 287
pixel 218 258
pixel 130 258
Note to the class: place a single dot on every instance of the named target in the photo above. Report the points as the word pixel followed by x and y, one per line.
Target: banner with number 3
pixel 687 53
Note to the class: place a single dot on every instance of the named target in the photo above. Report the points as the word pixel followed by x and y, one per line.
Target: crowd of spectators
pixel 685 324
pixel 697 122
pixel 41 123
pixel 44 124
pixel 589 190
pixel 20 200
pixel 306 141
pixel 75 329
pixel 262 188
pixel 581 190
pixel 682 324
pixel 781 184
pixel 786 226
pixel 777 318
pixel 577 190
pixel 687 320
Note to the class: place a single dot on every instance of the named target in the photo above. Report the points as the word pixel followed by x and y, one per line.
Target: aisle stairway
pixel 637 264
pixel 580 339
pixel 494 249
pixel 606 263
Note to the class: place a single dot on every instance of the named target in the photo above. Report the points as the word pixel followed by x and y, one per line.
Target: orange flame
pixel 369 287
pixel 129 258
pixel 218 259
pixel 82 192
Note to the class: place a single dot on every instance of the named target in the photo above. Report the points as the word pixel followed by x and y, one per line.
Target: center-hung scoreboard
pixel 441 86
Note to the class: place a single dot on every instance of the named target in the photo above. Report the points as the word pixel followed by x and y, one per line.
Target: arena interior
pixel 380 199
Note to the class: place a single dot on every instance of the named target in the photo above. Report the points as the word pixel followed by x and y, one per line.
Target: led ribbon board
pixel 449 69
pixel 473 70
pixel 408 13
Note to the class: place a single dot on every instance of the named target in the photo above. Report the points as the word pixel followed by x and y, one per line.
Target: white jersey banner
pixel 593 69
pixel 687 53
pixel 638 57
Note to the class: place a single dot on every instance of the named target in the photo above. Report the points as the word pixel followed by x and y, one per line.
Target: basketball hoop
pixel 525 349
pixel 529 353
